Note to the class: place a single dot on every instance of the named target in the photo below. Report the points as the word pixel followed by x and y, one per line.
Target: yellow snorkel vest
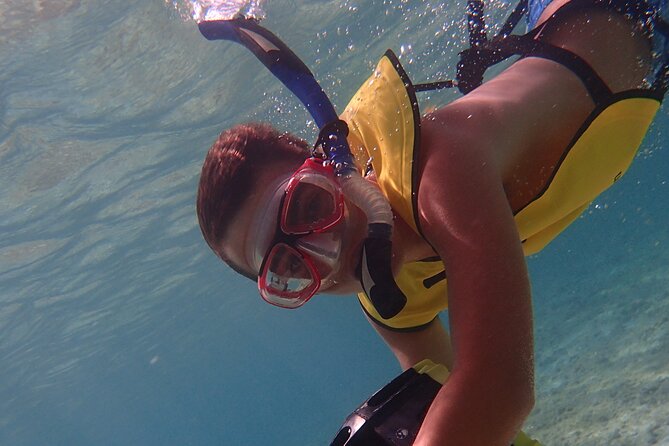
pixel 384 124
pixel 383 121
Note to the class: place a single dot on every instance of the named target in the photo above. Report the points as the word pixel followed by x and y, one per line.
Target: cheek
pixel 241 243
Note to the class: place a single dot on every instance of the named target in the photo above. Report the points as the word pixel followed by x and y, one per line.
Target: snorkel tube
pixel 376 272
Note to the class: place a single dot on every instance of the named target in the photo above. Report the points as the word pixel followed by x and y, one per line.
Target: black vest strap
pixel 475 22
pixel 513 19
pixel 430 86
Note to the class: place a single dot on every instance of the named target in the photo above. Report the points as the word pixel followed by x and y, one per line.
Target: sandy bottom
pixel 603 359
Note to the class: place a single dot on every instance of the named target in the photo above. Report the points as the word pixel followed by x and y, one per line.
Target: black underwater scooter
pixel 375 266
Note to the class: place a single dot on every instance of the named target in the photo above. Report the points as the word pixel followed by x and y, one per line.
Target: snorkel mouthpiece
pixel 375 268
pixel 376 271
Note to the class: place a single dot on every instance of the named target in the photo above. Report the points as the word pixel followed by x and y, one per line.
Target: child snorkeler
pixel 474 187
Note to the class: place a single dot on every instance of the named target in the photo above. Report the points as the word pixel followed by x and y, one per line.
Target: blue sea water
pixel 119 327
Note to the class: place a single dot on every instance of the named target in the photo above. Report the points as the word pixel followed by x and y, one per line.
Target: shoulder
pixel 466 149
pixel 459 140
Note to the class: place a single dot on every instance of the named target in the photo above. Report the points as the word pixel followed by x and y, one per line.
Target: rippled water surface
pixel 119 327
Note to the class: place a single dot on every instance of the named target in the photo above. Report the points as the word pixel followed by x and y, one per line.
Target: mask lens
pixel 313 204
pixel 288 279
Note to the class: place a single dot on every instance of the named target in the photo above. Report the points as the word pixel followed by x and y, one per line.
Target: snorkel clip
pixel 332 144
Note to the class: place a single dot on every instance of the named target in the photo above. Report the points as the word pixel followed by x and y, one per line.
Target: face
pixel 334 252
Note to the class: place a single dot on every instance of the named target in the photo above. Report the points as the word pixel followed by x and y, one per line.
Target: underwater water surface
pixel 118 326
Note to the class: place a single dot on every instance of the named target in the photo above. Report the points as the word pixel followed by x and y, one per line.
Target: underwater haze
pixel 118 326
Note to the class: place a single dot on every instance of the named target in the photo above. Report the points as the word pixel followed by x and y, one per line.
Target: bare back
pixel 536 106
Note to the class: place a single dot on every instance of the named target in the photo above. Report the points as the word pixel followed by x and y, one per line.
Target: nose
pixel 323 247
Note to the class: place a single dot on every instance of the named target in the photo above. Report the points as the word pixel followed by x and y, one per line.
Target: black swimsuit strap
pixel 639 10
pixel 484 53
pixel 475 61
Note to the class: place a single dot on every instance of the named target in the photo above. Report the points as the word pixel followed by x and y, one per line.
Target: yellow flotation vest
pixel 384 124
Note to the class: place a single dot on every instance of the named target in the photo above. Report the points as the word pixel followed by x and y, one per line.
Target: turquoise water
pixel 119 327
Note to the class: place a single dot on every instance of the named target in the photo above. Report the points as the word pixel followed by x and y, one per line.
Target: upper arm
pixel 465 215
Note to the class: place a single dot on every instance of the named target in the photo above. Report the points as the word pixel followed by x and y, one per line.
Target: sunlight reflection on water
pixel 201 10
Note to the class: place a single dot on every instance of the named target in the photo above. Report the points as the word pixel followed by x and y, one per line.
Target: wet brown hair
pixel 229 174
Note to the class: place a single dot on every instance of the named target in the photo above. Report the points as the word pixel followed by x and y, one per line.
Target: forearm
pixel 473 411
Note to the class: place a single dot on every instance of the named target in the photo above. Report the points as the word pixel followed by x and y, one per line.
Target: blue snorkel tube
pixel 375 268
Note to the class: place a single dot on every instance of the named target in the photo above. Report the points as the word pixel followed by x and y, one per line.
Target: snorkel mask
pixel 375 265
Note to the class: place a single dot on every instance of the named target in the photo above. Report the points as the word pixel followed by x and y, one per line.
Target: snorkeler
pixel 473 187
